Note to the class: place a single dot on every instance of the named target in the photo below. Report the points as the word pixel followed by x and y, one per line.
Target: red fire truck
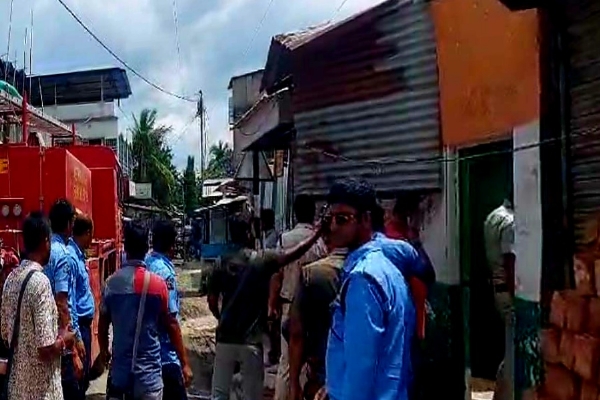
pixel 33 177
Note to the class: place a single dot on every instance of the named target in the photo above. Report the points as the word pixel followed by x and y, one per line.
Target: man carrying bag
pixel 136 370
pixel 29 317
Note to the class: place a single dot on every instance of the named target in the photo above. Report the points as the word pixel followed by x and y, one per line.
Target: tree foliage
pixel 153 158
pixel 191 196
pixel 220 164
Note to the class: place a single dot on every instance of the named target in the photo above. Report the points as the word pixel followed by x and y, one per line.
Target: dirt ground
pixel 198 329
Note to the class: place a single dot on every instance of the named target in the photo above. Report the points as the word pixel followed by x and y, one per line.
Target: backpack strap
pixel 140 318
pixel 16 328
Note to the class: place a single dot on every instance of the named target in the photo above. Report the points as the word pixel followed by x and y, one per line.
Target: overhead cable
pixel 119 59
pixel 177 42
pixel 257 29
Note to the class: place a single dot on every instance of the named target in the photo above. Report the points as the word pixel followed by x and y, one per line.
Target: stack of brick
pixel 571 345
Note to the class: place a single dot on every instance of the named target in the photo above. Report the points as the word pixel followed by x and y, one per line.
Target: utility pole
pixel 200 114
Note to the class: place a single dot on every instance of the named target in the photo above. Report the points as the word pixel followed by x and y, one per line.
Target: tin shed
pixel 366 101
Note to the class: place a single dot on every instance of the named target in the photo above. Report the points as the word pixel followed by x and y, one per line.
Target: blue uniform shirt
pixel 83 292
pixel 369 346
pixel 163 267
pixel 402 254
pixel 61 273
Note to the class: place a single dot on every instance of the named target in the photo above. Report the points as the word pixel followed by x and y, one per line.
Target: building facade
pixel 261 167
pixel 88 100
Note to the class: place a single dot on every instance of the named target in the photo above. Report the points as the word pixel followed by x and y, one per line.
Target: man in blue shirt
pixel 175 375
pixel 369 346
pixel 61 273
pixel 84 299
pixel 135 366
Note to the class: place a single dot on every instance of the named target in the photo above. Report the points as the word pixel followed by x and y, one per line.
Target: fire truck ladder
pixel 17 111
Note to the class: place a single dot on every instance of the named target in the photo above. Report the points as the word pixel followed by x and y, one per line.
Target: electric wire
pixel 119 59
pixel 177 42
pixel 257 29
pixel 174 139
pixel 342 4
pixel 381 162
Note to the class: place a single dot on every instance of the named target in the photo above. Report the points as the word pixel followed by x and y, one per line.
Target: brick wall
pixel 571 344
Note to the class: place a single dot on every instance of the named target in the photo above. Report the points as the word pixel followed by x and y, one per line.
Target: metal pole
pixel 25 117
pixel 31 54
pixel 200 112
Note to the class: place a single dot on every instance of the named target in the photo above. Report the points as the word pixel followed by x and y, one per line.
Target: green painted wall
pixel 442 351
pixel 528 360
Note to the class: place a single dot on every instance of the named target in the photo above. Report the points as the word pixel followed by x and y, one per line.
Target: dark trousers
pixel 74 389
pixel 274 330
pixel 174 387
pixel 85 327
pixel 70 383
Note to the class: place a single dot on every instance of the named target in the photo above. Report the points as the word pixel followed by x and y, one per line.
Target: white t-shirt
pixel 499 234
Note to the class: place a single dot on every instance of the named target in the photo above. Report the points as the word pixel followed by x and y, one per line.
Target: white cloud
pixel 214 38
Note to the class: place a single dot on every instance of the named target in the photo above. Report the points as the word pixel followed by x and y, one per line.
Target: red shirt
pixel 394 230
pixel 397 231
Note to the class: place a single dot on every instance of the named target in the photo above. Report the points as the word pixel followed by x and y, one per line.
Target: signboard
pixel 143 191
pixel 80 186
pixel 4 166
pixel 131 188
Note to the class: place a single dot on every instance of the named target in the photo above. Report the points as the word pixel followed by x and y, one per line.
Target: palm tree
pixel 152 156
pixel 221 160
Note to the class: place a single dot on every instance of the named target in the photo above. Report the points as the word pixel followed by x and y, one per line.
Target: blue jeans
pixel 174 388
pixel 115 393
pixel 158 395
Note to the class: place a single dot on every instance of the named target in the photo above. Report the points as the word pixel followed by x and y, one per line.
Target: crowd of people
pixel 342 296
pixel 48 307
pixel 350 298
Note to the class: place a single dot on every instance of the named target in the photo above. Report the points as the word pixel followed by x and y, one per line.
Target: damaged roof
pixel 279 65
pixel 292 40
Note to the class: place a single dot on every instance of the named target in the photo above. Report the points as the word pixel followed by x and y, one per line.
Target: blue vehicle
pixel 212 240
pixel 214 232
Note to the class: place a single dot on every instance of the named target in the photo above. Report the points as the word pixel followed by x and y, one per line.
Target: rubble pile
pixel 571 345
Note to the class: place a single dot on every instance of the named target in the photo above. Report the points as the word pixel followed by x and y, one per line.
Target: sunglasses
pixel 342 219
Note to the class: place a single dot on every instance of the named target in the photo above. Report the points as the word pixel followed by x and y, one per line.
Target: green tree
pixel 153 158
pixel 190 187
pixel 220 164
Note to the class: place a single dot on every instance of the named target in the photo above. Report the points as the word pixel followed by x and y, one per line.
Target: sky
pixel 217 39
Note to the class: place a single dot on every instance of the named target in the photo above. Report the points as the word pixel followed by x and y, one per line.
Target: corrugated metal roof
pixel 368 97
pixel 80 86
pixel 292 40
pixel 278 67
